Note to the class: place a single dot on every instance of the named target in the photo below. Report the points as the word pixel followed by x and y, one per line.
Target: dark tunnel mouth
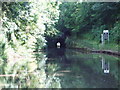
pixel 62 43
pixel 52 43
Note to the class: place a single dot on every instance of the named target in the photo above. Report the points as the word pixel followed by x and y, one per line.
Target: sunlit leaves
pixel 16 18
pixel 52 32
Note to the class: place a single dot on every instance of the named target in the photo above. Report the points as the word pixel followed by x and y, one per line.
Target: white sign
pixel 105 36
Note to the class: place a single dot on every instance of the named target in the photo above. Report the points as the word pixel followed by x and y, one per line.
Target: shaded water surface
pixel 84 70
pixel 62 68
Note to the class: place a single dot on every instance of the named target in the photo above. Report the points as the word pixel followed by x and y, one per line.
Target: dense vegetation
pixel 29 26
pixel 79 22
pixel 22 33
pixel 92 18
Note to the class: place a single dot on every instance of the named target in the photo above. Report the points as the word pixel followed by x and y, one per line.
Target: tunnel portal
pixel 62 43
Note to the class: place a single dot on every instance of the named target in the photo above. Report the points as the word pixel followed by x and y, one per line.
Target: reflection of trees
pixel 83 75
pixel 80 70
pixel 55 52
pixel 110 63
pixel 25 73
pixel 56 56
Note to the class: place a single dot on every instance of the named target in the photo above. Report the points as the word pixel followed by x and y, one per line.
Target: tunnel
pixel 52 43
pixel 61 41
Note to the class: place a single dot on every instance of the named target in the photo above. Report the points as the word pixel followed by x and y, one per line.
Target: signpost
pixel 105 36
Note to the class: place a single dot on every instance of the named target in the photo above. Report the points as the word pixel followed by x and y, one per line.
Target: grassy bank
pixel 90 44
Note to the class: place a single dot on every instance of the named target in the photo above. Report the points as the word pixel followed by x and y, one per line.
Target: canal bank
pixel 92 46
pixel 87 50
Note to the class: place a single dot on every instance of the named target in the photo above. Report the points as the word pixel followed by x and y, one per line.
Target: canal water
pixel 63 68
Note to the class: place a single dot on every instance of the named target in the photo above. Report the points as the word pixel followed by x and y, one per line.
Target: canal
pixel 62 68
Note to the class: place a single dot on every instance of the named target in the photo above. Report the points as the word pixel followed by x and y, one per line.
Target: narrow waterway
pixel 63 68
pixel 84 70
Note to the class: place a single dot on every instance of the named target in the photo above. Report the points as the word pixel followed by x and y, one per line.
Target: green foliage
pixel 96 32
pixel 2 51
pixel 115 31
pixel 87 20
pixel 18 20
pixel 52 33
pixel 26 25
pixel 50 19
pixel 23 31
pixel 3 45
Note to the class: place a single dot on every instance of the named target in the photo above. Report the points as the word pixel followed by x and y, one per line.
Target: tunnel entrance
pixel 61 42
pixel 52 43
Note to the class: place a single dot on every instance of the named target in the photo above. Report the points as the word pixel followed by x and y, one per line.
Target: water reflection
pixel 105 65
pixel 83 70
pixel 61 68
pixel 25 73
